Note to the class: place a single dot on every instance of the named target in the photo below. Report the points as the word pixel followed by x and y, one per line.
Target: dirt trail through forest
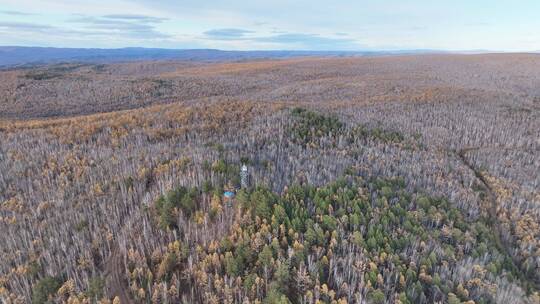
pixel 502 245
pixel 116 283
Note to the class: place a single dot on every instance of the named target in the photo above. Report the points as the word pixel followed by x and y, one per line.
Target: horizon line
pixel 389 50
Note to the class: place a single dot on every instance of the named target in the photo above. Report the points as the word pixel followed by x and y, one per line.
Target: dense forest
pixel 370 180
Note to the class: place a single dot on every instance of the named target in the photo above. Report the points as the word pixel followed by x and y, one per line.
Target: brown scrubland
pixel 398 179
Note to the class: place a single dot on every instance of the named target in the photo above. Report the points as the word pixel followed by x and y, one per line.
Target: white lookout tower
pixel 244 177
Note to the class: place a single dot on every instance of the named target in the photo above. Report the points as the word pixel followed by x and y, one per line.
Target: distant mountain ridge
pixel 16 55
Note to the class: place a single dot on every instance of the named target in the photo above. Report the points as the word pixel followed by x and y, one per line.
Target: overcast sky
pixel 497 25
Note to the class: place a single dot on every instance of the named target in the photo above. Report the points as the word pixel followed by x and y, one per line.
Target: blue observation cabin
pixel 229 195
